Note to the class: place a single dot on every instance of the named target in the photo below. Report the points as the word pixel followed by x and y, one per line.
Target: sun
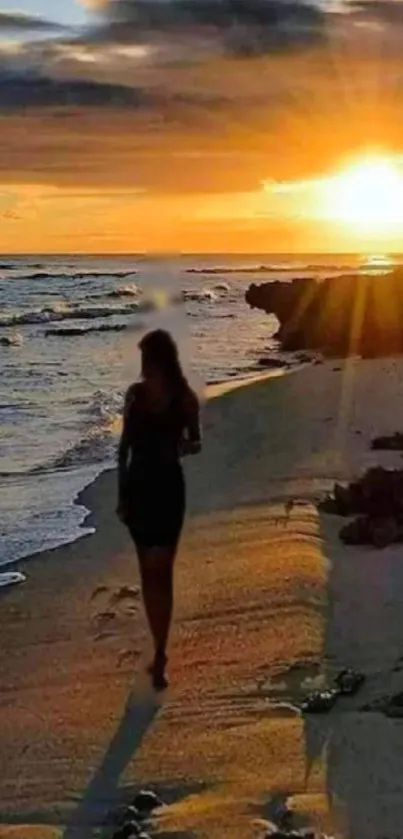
pixel 367 195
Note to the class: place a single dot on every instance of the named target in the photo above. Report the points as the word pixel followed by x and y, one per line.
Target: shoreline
pixel 269 605
pixel 213 391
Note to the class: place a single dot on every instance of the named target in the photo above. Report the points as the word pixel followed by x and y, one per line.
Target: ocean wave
pixel 124 291
pixel 201 295
pixel 64 311
pixel 131 290
pixel 15 340
pixel 96 443
pixel 95 447
pixel 97 440
pixel 76 275
pixel 273 268
pixel 105 407
pixel 239 269
pixel 15 474
pixel 72 331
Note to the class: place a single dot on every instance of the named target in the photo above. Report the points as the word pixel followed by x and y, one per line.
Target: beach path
pixel 269 605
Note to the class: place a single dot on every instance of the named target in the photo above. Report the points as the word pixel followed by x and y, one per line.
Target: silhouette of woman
pixel 161 425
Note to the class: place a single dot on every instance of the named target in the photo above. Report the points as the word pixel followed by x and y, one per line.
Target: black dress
pixel 154 493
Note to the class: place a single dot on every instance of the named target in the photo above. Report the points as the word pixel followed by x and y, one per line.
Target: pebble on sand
pixel 146 801
pixel 128 831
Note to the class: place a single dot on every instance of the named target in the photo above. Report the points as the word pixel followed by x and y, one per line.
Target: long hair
pixel 159 349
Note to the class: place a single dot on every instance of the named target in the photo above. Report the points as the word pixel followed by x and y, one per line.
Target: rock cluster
pixel 392 443
pixel 376 501
pixel 131 823
pixel 347 683
pixel 339 316
pixel 391 706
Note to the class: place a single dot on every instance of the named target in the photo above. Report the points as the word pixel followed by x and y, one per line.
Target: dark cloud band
pixel 18 91
pixel 19 21
pixel 240 25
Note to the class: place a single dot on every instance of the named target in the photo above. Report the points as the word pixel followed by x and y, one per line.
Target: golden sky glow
pixel 128 139
pixel 359 206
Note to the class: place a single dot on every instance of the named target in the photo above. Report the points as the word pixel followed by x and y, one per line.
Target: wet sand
pixel 269 604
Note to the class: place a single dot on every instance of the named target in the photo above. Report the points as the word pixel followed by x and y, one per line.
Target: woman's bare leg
pixel 157 565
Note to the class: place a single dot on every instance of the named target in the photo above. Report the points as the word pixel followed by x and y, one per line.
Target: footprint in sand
pixel 98 591
pixel 128 655
pixel 124 594
pixel 106 617
pixel 103 625
pixel 103 636
pixel 121 604
pixel 125 600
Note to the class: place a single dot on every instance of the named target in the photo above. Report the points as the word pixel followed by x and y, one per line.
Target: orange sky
pixel 212 151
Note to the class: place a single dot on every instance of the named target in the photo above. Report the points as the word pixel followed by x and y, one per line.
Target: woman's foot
pixel 160 681
pixel 157 670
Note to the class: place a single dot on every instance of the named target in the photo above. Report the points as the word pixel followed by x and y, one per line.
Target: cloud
pixel 237 26
pixel 383 11
pixel 33 90
pixel 153 94
pixel 20 21
pixel 223 14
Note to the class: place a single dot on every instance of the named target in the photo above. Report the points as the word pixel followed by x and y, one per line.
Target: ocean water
pixel 69 329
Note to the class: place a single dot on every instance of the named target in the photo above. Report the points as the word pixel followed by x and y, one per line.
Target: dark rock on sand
pixel 131 814
pixel 319 702
pixel 131 830
pixel 379 532
pixel 394 706
pixel 349 682
pixel 272 363
pixel 376 500
pixel 392 443
pixel 317 314
pixel 305 358
pixel 339 503
pixel 279 813
pixel 391 706
pixel 146 801
pixel 127 815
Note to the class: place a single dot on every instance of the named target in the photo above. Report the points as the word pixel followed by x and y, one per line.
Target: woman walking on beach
pixel 160 426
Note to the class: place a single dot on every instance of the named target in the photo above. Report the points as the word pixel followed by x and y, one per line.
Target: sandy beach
pixel 269 604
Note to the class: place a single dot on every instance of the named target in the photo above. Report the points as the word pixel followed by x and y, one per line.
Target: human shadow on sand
pixel 362 751
pixel 102 794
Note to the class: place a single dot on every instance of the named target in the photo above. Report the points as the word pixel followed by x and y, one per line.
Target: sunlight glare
pixel 367 195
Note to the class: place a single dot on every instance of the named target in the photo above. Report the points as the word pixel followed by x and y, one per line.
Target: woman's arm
pixel 123 453
pixel 192 442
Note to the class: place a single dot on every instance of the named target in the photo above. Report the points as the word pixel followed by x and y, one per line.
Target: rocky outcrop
pixel 339 316
pixel 376 501
pixel 133 821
